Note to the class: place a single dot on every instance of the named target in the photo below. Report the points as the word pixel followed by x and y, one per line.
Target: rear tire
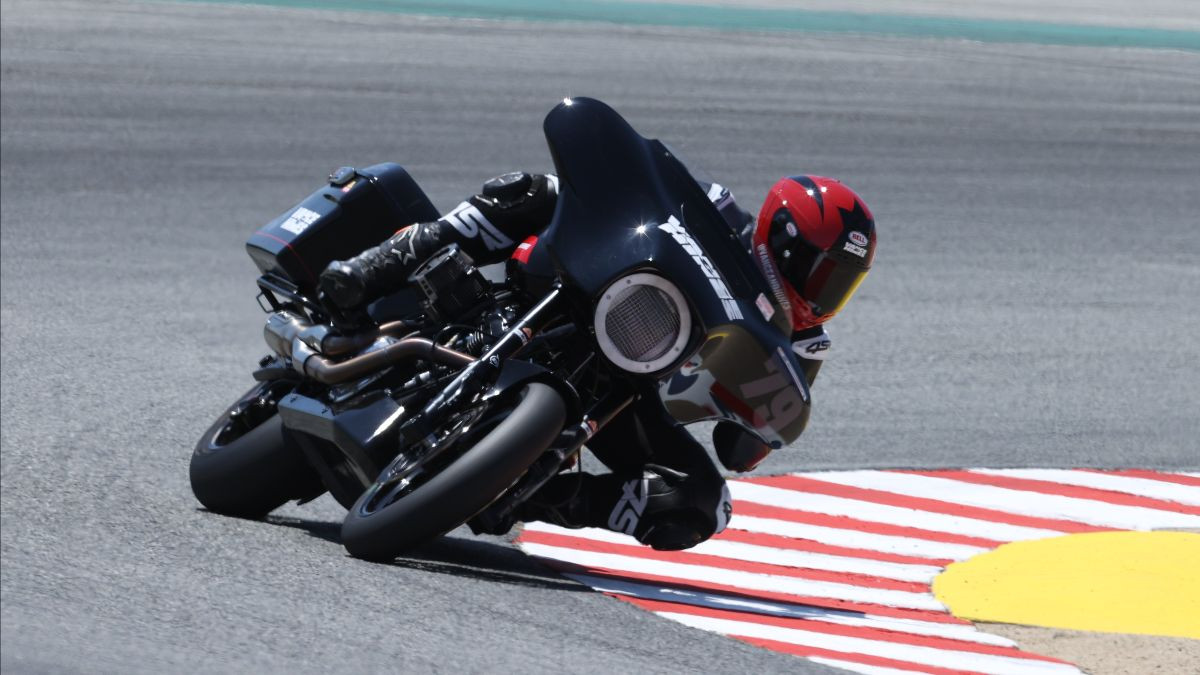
pixel 250 473
pixel 462 489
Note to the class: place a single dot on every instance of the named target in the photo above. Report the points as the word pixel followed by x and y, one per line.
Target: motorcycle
pixel 463 393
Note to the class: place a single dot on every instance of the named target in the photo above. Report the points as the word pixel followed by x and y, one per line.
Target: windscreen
pixel 617 190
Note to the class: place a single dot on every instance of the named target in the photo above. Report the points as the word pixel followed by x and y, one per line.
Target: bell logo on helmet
pixel 858 238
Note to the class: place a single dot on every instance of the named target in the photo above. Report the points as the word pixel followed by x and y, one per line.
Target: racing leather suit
pixel 664 490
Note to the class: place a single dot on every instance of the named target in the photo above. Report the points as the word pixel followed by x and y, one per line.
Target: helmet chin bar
pixel 802 314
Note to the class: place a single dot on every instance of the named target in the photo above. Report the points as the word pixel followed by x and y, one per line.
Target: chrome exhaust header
pixel 307 345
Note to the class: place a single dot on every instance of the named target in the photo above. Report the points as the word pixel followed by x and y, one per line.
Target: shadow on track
pixel 468 558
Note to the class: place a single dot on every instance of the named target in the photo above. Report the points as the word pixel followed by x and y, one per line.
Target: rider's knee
pixel 678 510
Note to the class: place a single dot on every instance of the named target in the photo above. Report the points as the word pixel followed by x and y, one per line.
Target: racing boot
pixel 351 284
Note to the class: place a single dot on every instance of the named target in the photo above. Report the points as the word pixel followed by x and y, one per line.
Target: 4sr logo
pixel 629 509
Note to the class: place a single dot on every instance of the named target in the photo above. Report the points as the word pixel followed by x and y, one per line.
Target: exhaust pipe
pixel 289 335
pixel 310 364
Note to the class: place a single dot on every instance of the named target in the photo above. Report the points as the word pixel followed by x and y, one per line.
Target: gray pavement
pixel 1033 301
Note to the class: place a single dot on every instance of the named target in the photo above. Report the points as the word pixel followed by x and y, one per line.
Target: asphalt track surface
pixel 1033 301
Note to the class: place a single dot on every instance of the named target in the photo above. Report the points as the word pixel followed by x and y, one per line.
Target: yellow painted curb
pixel 1119 582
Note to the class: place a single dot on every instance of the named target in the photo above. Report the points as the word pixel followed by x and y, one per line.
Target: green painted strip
pixel 742 18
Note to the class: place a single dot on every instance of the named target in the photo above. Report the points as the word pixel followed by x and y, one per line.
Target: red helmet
pixel 814 241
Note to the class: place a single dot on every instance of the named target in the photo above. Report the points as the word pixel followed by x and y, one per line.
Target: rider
pixel 814 240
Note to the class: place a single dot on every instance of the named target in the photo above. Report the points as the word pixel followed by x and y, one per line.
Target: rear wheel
pixel 487 449
pixel 246 464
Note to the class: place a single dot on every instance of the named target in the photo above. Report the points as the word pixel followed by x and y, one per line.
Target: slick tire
pixel 463 488
pixel 253 474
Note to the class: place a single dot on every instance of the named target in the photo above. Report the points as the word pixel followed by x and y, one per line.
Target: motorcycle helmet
pixel 814 241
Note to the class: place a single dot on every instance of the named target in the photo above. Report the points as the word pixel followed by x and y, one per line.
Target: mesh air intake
pixel 643 323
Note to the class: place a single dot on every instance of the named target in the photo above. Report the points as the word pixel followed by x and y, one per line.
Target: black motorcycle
pixel 465 394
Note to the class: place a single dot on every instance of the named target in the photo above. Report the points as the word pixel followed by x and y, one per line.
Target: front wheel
pixel 246 465
pixel 498 442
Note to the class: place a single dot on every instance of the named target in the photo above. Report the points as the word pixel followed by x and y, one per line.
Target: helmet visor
pixel 823 280
pixel 831 285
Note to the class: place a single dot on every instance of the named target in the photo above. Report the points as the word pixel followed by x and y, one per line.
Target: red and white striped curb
pixel 836 567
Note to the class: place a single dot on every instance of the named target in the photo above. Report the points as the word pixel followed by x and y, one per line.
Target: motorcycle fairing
pixel 616 192
pixel 738 377
pixel 626 203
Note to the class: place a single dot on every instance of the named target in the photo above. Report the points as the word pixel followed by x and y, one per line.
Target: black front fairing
pixel 627 204
pixel 612 180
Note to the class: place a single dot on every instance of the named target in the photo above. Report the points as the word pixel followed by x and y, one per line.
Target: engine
pixel 451 284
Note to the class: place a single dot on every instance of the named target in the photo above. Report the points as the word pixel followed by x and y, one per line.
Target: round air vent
pixel 642 323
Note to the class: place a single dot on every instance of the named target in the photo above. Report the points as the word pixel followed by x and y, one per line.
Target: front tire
pixel 249 472
pixel 493 463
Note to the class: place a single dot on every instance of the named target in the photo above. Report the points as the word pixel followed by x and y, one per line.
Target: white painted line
pixel 921 548
pixel 861 667
pixel 734 550
pixel 1145 487
pixel 932 656
pixel 1025 503
pixel 750 581
pixel 714 600
pixel 884 513
pixel 593 533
